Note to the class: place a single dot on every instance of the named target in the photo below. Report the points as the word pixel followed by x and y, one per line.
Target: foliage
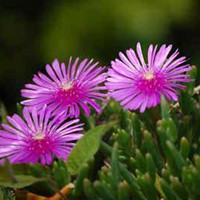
pixel 151 156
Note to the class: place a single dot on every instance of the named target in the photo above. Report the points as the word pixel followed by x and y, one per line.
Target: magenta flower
pixel 38 137
pixel 67 89
pixel 137 84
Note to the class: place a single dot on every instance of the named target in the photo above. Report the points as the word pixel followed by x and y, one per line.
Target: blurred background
pixel 33 33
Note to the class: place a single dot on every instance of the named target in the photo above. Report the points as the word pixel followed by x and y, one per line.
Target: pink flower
pixel 38 137
pixel 67 89
pixel 137 84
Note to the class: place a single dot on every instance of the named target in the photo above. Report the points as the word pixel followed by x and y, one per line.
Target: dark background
pixel 33 33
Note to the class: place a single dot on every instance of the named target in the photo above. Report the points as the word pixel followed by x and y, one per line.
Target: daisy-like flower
pixel 137 84
pixel 38 137
pixel 67 89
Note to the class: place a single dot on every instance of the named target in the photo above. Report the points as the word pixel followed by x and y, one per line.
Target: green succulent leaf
pixel 164 108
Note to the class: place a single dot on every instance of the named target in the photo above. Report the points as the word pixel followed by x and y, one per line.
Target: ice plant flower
pixel 67 89
pixel 38 137
pixel 137 84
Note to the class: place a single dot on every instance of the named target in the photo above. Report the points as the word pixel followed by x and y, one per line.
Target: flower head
pixel 67 89
pixel 139 84
pixel 38 137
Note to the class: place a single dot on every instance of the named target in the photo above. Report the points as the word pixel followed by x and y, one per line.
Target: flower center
pixel 39 136
pixel 67 86
pixel 151 82
pixel 41 143
pixel 149 76
pixel 69 93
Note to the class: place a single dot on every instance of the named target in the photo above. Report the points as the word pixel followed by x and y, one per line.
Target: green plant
pixel 123 155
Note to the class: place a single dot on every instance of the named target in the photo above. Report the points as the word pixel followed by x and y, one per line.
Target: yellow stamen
pixel 149 76
pixel 67 86
pixel 39 136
